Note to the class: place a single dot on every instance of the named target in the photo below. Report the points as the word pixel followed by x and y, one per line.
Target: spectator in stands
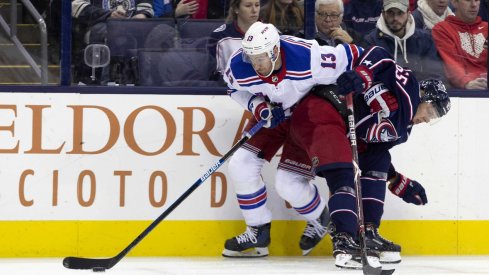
pixel 286 15
pixel 90 18
pixel 361 15
pixel 430 12
pixel 410 47
pixel 461 40
pixel 329 23
pixel 174 8
pixel 227 38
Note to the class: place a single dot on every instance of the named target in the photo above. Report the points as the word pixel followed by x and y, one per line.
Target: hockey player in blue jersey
pixel 272 77
pixel 385 111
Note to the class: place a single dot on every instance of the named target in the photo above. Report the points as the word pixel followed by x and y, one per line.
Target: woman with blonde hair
pixel 227 38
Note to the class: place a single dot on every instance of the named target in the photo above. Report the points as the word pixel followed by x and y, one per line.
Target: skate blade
pixel 250 253
pixel 390 257
pixel 306 252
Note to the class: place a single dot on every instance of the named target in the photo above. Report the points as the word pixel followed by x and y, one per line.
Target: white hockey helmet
pixel 261 38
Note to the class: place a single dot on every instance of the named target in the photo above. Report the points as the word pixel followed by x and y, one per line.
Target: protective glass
pixel 432 113
pixel 256 59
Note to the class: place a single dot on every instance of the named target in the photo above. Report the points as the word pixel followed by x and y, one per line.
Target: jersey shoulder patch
pixel 221 28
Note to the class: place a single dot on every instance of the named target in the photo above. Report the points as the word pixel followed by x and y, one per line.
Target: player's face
pixel 467 10
pixel 328 16
pixel 261 63
pixel 438 6
pixel 426 113
pixel 395 19
pixel 248 11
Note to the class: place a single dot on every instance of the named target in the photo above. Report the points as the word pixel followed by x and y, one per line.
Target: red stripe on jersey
pixel 301 43
pixel 355 54
pixel 248 80
pixel 294 73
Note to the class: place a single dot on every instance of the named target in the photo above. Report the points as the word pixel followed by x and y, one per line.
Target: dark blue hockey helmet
pixel 436 94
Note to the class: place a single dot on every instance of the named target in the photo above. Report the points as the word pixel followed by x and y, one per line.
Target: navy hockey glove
pixel 409 190
pixel 274 115
pixel 356 80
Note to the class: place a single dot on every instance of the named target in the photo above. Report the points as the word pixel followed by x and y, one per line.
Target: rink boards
pixel 85 174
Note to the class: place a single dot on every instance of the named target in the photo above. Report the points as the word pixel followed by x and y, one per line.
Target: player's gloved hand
pixel 274 115
pixel 356 80
pixel 380 99
pixel 409 190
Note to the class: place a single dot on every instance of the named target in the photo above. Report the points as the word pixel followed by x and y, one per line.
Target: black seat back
pixel 174 67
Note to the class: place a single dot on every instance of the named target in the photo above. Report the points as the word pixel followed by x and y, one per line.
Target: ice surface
pixel 261 266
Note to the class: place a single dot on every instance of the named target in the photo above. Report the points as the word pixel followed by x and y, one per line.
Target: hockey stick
pixel 367 268
pixel 107 263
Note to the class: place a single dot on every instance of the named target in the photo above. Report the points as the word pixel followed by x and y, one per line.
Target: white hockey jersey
pixel 304 65
pixel 224 41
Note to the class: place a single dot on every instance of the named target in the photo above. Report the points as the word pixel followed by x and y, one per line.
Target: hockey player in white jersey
pixel 272 77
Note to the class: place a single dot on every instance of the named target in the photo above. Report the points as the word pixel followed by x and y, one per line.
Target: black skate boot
pixel 253 242
pixel 390 253
pixel 347 252
pixel 314 232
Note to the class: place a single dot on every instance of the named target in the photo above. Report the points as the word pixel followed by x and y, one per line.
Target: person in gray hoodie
pixel 395 31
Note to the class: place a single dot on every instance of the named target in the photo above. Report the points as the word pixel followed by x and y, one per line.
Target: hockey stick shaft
pixel 367 268
pixel 107 263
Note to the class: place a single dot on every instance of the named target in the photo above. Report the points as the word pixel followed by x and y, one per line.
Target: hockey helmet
pixel 261 38
pixel 436 94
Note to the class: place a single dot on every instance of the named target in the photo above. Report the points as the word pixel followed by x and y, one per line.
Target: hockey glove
pixel 356 80
pixel 274 115
pixel 409 190
pixel 380 99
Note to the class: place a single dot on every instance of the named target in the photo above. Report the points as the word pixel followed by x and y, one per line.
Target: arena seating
pixel 175 67
pixel 161 44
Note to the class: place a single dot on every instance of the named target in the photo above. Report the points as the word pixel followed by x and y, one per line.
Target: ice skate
pixel 390 253
pixel 253 242
pixel 347 252
pixel 314 232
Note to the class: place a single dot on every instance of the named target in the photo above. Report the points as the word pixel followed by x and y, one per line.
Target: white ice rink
pixel 263 266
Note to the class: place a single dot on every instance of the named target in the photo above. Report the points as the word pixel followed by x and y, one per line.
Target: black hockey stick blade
pixel 107 263
pixel 87 263
pixel 370 270
pixel 387 271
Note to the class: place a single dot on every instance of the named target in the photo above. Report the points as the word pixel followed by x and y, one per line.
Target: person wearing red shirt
pixel 461 41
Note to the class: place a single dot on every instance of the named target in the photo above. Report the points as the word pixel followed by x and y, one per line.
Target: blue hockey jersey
pixel 401 82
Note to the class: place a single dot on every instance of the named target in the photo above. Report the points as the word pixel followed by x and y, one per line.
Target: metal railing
pixel 42 72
